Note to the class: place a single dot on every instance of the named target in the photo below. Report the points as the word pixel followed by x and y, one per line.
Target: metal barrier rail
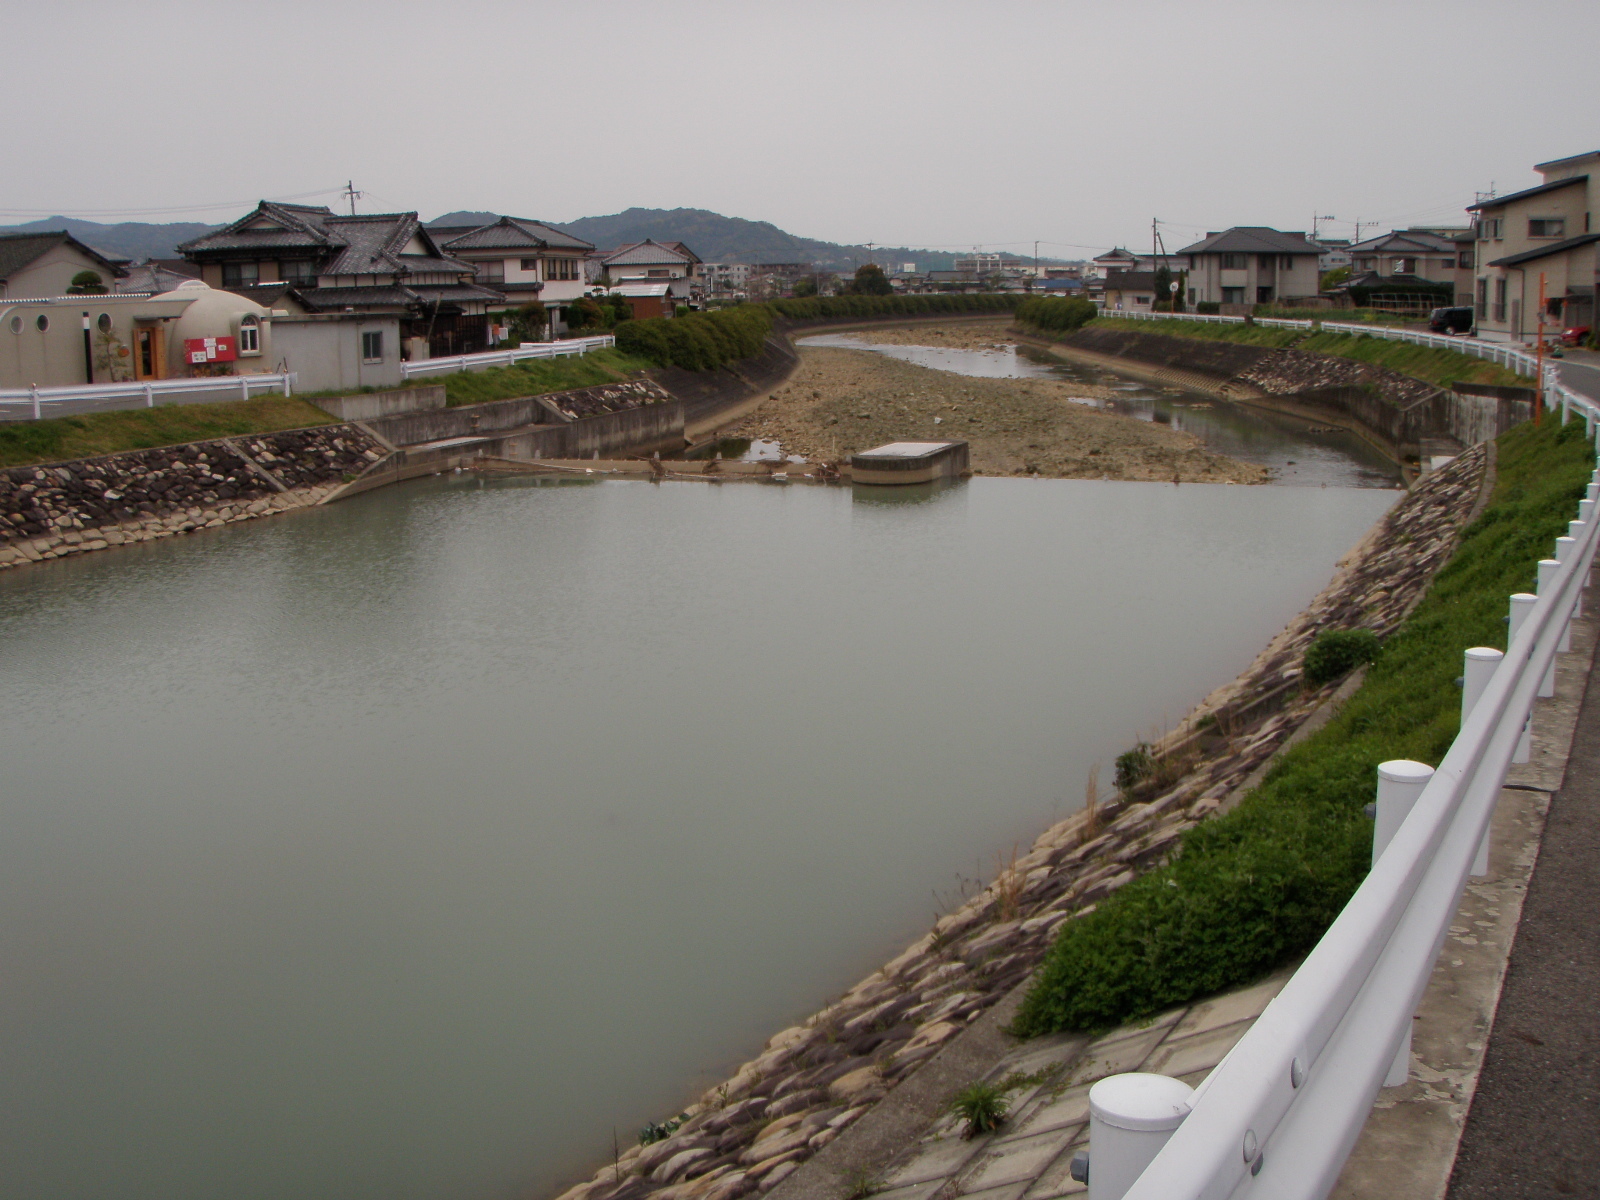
pixel 504 358
pixel 1281 1113
pixel 143 394
pixel 1507 354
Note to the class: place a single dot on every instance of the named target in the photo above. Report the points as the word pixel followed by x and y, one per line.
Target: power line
pixel 162 211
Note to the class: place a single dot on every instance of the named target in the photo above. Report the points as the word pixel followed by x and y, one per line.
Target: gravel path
pixel 841 402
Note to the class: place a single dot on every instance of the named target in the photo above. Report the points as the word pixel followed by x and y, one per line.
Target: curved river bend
pixel 405 847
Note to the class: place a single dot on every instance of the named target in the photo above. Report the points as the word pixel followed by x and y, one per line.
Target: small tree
pixel 87 283
pixel 806 285
pixel 871 281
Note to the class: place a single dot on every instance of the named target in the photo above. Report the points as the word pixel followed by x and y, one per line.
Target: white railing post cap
pixel 1140 1102
pixel 1485 654
pixel 1405 770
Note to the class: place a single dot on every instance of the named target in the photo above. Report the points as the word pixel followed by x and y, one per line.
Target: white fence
pixel 1507 354
pixel 1280 1114
pixel 100 397
pixel 503 358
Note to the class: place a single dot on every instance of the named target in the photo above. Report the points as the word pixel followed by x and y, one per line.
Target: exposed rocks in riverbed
pixel 840 402
pixel 63 509
pixel 813 1080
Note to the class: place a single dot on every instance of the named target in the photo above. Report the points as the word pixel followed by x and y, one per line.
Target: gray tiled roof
pixel 1252 239
pixel 514 233
pixel 338 298
pixel 375 244
pixel 643 253
pixel 17 250
pixel 1406 239
pixel 296 226
pixel 1523 195
pixel 457 293
pixel 1561 247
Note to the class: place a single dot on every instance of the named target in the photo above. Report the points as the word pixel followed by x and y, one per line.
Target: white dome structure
pixel 215 313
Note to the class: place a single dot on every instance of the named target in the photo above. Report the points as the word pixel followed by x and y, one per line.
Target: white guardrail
pixel 504 358
pixel 1279 1115
pixel 86 397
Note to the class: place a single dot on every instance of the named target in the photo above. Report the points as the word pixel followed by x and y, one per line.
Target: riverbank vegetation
pixel 1253 889
pixel 1439 367
pixel 57 439
pixel 1055 314
pixel 540 376
pixel 699 341
pixel 953 304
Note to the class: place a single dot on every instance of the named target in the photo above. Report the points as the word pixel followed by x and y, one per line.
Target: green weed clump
pixel 1336 652
pixel 1250 890
pixel 982 1105
pixel 1055 314
pixel 540 376
pixel 699 341
pixel 58 439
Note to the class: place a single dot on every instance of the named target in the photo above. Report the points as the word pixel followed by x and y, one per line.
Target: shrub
pixel 1056 314
pixel 1208 306
pixel 983 1107
pixel 826 307
pixel 1251 889
pixel 1336 652
pixel 1132 766
pixel 699 341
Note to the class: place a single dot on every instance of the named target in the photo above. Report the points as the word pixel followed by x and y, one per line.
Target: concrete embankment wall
pixel 68 508
pixel 1395 412
pixel 366 406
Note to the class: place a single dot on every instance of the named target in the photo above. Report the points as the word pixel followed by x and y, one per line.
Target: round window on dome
pixel 104 323
pixel 42 323
pixel 16 324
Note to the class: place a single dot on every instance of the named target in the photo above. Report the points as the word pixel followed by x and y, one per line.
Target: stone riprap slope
pixel 814 1080
pixel 63 509
pixel 607 398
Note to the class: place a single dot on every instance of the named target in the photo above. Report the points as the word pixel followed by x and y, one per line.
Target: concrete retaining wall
pixel 500 416
pixel 368 406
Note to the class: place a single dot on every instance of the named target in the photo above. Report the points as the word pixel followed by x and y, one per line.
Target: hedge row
pixel 824 307
pixel 1252 890
pixel 698 341
pixel 1056 314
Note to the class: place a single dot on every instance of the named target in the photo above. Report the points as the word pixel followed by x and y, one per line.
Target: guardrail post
pixel 1400 782
pixel 1521 605
pixel 1565 546
pixel 149 396
pixel 33 394
pixel 1547 573
pixel 1479 667
pixel 1131 1117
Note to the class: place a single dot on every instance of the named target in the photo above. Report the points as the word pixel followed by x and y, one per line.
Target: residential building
pixel 1248 265
pixel 43 264
pixel 371 263
pixel 155 275
pixel 1335 253
pixel 647 299
pixel 1130 290
pixel 650 261
pixel 726 280
pixel 1541 233
pixel 525 261
pixel 982 266
pixel 1406 255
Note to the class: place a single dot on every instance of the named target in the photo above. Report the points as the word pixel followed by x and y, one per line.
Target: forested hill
pixel 716 238
pixel 137 240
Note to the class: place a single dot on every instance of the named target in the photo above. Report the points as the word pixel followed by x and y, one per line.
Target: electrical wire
pixel 168 210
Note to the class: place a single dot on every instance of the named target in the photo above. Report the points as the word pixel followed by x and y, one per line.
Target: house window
pixel 1232 262
pixel 1490 228
pixel 560 268
pixel 41 323
pixel 1500 299
pixel 1552 227
pixel 492 272
pixel 297 270
pixel 1233 295
pixel 1483 295
pixel 1191 295
pixel 1405 266
pixel 1366 264
pixel 657 273
pixel 1263 295
pixel 240 274
pixel 249 335
pixel 1286 262
pixel 530 264
pixel 1265 261
pixel 1465 260
pixel 372 346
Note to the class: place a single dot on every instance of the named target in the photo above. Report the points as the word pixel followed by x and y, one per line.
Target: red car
pixel 1576 336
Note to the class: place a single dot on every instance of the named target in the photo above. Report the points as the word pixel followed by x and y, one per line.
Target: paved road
pixel 1534 1126
pixel 1580 371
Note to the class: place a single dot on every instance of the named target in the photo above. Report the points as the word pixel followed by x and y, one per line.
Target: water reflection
pixel 1300 452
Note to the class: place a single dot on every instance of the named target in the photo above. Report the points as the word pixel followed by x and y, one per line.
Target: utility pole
pixel 352 195
pixel 1315 219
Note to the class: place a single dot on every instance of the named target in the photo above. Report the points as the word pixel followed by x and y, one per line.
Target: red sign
pixel 209 350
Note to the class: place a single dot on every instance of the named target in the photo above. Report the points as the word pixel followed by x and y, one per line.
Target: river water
pixel 404 848
pixel 1300 452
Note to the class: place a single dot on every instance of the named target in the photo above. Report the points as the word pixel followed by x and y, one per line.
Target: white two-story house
pixel 1250 264
pixel 526 261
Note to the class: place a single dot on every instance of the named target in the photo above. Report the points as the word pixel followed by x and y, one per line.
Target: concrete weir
pixel 901 463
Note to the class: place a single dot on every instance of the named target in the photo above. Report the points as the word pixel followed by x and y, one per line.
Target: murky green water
pixel 1299 452
pixel 405 847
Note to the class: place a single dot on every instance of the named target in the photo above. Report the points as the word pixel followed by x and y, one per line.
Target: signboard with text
pixel 210 350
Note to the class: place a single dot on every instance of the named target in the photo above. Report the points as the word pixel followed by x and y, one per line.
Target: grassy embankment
pixel 1253 889
pixel 60 438
pixel 1439 367
pixel 539 377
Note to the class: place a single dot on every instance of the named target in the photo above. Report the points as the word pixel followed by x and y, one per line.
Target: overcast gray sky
pixel 925 124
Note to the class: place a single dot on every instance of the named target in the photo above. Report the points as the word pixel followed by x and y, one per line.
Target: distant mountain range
pixel 713 237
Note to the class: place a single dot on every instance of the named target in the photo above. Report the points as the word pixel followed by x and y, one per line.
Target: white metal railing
pixel 1507 354
pixel 143 394
pixel 504 358
pixel 1280 1114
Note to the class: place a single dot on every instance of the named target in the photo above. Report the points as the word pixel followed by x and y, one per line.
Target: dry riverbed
pixel 841 402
